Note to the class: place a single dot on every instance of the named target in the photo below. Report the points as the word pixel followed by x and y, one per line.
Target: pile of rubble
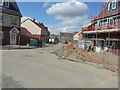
pixel 74 52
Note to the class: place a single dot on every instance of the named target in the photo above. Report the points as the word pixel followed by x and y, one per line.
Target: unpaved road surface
pixel 39 68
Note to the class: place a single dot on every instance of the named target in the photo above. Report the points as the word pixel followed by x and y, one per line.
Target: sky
pixel 69 16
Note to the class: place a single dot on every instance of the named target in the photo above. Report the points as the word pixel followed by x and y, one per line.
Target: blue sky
pixel 56 19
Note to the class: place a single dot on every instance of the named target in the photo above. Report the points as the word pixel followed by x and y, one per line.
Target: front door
pixel 13 37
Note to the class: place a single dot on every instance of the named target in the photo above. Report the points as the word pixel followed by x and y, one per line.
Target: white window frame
pixel 1 3
pixel 114 2
pixel 109 6
pixel 1 34
pixel 109 21
pixel 1 18
pixel 14 20
pixel 6 3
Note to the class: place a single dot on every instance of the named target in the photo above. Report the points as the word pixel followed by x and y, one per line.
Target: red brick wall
pixel 6 35
pixel 24 40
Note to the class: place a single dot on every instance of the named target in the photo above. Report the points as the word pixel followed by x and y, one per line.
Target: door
pixel 13 37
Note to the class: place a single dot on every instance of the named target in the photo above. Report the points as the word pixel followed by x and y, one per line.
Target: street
pixel 39 68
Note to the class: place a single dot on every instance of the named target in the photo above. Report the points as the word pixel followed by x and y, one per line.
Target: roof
pixel 53 36
pixel 75 33
pixel 78 33
pixel 12 10
pixel 40 25
pixel 66 33
pixel 105 13
pixel 26 33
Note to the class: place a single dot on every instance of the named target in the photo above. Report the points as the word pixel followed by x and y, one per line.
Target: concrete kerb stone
pixel 0 66
pixel 9 47
pixel 100 66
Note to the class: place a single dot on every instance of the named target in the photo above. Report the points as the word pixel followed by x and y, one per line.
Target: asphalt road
pixel 38 68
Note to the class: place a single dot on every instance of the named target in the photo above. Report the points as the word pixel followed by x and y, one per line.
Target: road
pixel 39 68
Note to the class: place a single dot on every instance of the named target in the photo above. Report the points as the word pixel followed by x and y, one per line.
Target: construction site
pixel 100 42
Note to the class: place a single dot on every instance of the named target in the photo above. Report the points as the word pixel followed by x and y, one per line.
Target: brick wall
pixel 6 35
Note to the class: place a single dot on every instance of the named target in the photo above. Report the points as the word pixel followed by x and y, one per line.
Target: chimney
pixel 34 19
pixel 39 23
pixel 46 28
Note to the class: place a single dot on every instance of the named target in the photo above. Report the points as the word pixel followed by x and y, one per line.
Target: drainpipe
pixel 19 40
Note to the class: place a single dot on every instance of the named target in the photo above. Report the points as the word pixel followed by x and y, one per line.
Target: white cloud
pixel 24 18
pixel 46 4
pixel 67 9
pixel 73 15
pixel 62 28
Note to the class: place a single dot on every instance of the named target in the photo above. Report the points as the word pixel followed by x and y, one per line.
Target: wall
pixel 24 40
pixel 8 19
pixel 32 27
pixel 6 35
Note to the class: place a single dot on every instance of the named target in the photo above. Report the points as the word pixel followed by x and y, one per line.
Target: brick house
pixel 77 36
pixel 10 19
pixel 30 29
pixel 104 29
pixel 63 37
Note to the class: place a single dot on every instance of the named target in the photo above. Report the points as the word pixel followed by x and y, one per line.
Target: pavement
pixel 9 47
pixel 39 68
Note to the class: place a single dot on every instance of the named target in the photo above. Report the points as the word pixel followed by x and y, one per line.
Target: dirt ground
pixel 39 68
pixel 72 51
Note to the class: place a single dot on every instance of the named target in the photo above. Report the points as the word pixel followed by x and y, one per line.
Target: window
pixel 114 4
pixel 111 22
pixel 1 18
pixel 100 23
pixel 109 6
pixel 1 34
pixel 6 3
pixel 1 2
pixel 14 20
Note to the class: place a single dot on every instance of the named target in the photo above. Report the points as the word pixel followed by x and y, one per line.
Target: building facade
pixel 10 19
pixel 53 39
pixel 66 37
pixel 30 29
pixel 77 36
pixel 104 29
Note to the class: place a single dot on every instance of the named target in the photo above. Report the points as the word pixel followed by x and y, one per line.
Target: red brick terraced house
pixel 10 19
pixel 30 29
pixel 104 29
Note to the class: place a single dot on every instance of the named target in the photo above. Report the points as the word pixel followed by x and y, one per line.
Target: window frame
pixel 109 6
pixel 114 3
pixel 14 20
pixel 6 5
pixel 1 34
pixel 1 18
pixel 2 2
